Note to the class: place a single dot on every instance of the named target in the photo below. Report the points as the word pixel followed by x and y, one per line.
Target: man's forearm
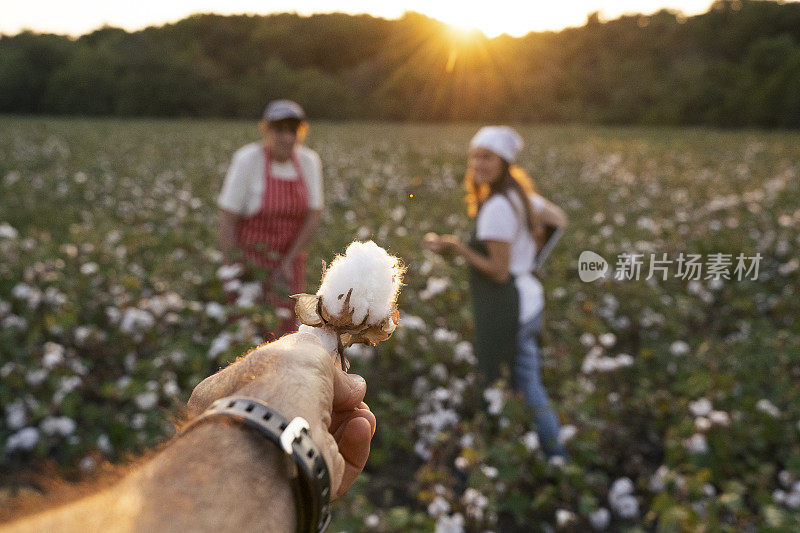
pixel 219 477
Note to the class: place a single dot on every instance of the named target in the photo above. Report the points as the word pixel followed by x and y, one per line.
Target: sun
pixel 468 21
pixel 506 16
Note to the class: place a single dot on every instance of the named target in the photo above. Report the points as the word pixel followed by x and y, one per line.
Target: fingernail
pixel 357 380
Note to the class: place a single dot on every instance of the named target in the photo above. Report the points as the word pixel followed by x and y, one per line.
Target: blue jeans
pixel 529 382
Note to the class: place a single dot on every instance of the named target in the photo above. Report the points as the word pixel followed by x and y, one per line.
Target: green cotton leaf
pixel 516 503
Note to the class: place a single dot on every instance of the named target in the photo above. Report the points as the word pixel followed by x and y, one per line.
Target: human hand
pixel 449 242
pixel 431 241
pixel 296 376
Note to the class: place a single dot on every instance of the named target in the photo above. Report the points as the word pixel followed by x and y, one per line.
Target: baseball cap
pixel 282 110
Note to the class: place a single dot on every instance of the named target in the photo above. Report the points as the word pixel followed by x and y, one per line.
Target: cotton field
pixel 677 388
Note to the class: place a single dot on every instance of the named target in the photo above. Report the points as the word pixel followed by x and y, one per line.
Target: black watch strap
pixel 311 480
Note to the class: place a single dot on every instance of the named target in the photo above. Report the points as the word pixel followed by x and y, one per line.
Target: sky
pixel 516 18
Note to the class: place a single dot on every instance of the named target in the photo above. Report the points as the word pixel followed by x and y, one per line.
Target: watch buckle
pixel 292 433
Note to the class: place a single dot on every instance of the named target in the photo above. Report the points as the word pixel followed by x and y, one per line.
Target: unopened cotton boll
pixel 373 276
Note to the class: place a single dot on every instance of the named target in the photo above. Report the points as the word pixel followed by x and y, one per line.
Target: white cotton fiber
pixel 374 277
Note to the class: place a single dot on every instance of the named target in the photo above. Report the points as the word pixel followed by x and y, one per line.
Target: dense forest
pixel 736 65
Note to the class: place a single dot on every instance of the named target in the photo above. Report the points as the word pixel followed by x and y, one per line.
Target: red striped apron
pixel 266 236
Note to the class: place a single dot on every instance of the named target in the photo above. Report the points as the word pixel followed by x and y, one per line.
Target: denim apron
pixel 495 307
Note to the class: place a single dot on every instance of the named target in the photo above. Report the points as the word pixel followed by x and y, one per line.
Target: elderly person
pixel 271 203
pixel 507 298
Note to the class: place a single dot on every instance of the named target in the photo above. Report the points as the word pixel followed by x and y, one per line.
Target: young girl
pixel 507 299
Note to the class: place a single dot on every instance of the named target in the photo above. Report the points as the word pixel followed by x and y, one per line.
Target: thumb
pixel 348 390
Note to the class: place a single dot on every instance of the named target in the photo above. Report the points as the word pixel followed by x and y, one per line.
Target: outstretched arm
pixel 494 265
pixel 223 477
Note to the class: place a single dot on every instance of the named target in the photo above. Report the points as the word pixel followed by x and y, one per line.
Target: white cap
pixel 283 109
pixel 502 140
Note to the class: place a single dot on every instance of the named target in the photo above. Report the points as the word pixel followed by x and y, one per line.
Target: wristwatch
pixel 310 478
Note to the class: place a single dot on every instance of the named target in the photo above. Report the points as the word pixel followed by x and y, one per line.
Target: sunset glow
pixel 492 18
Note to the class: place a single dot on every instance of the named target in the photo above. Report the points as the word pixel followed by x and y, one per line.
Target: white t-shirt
pixel 243 187
pixel 499 220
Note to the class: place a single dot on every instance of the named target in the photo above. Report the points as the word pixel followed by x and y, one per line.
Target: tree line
pixel 736 65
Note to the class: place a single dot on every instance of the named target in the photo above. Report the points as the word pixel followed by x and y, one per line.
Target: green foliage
pixel 736 65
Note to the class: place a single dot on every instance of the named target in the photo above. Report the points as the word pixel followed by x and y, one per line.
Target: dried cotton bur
pixel 356 301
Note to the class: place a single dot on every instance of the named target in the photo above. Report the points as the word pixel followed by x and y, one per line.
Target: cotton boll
pixel 719 418
pixel 587 339
pixel 438 507
pixel 567 433
pixel 327 337
pixel 701 407
pixel 627 507
pixel 216 311
pixel 702 424
pixel 767 407
pixel 564 518
pixel 489 471
pixel 620 487
pixel 495 399
pixel 15 415
pixel 600 519
pixel 60 425
pixel 146 400
pixel 372 521
pixel 463 353
pixel 373 276
pixel 696 444
pixel 450 524
pixel 607 340
pixel 7 231
pixel 793 500
pixel 658 481
pixel 24 439
pixel 531 441
pixel 679 348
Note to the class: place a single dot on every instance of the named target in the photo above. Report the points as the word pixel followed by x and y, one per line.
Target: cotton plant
pixel 356 301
